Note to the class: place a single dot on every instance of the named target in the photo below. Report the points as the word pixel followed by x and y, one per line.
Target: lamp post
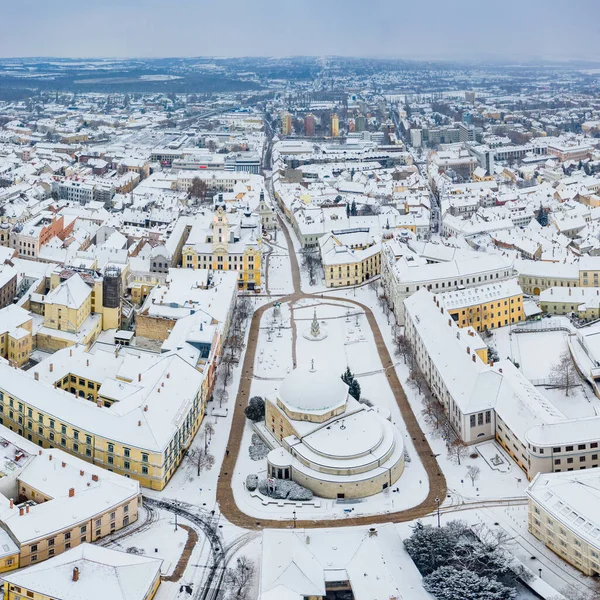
pixel 437 501
pixel 294 518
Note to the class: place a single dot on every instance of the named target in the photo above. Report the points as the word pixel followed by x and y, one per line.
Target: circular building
pixel 327 441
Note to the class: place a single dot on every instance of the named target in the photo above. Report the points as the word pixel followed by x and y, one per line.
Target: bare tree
pixel 202 458
pixel 221 395
pixel 209 431
pixel 457 451
pixel 239 578
pixel 473 473
pixel 311 263
pixel 402 346
pixel 564 373
pixel 198 189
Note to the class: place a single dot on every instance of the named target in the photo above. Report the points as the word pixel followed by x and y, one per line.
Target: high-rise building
pixel 470 97
pixel 335 125
pixel 309 125
pixel 286 123
pixel 360 123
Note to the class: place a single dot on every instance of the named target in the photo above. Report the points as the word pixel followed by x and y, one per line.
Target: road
pixel 437 481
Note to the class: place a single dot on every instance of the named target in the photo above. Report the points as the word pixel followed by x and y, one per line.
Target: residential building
pixel 349 257
pixel 485 307
pixel 83 572
pixel 133 413
pixel 563 515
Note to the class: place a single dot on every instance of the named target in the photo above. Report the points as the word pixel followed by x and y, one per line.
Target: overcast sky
pixel 429 29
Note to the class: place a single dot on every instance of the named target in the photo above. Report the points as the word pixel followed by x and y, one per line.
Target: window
pixel 83 528
pixel 569 448
pixel 144 457
pixel 581 447
pixel 111 447
pixel 488 417
pixel 582 459
pixel 68 535
pixel 556 449
pixel 34 548
pixel 111 460
pixel 51 542
pixel 472 420
pixel 51 423
pixel 569 460
pixel 126 508
pixel 126 464
pixel 126 452
pixel 480 419
pixel 557 461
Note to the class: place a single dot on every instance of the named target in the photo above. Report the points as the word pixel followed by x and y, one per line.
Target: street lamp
pixel 437 501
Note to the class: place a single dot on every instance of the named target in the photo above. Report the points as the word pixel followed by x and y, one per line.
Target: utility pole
pixel 294 518
pixel 437 501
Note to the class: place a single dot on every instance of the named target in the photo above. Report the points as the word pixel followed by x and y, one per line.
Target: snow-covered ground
pixel 349 342
pixel 537 354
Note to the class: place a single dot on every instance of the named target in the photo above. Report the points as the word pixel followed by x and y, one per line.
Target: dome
pixel 313 391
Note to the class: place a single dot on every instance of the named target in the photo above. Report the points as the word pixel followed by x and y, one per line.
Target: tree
pixel 402 346
pixel 202 458
pixel 209 431
pixel 449 583
pixel 473 473
pixel 354 390
pixel 347 376
pixel 430 547
pixel 198 189
pixel 239 578
pixel 457 451
pixel 564 374
pixel 311 262
pixel 347 211
pixel 353 209
pixel 221 395
pixel 255 411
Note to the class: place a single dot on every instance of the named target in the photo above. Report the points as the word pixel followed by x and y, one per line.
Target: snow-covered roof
pixel 102 573
pixel 313 391
pixel 71 293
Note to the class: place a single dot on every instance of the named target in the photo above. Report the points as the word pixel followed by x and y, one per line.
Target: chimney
pixel 36 376
pixel 146 408
pixel 87 362
pixel 468 349
pixel 450 322
pixel 500 370
pixel 159 390
pixel 116 352
pixel 168 375
pixel 75 573
pixel 94 477
pixel 372 532
pixel 12 503
pixel 21 511
pixel 64 464
pixel 139 423
pixel 70 351
pixel 51 367
pixel 71 492
pixel 82 473
pixel 49 456
pixel 40 452
pixel 474 355
pixel 139 376
pixel 27 508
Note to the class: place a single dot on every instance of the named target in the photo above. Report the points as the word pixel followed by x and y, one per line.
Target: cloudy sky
pixel 419 29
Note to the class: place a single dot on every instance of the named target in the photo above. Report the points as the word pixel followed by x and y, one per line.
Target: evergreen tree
pixel 449 583
pixel 347 376
pixel 354 390
pixel 347 210
pixel 353 210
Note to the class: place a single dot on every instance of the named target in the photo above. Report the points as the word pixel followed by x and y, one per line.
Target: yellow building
pixel 68 401
pixel 349 258
pixel 335 125
pixel 485 307
pixel 16 340
pixel 85 571
pixel 227 246
pixel 286 123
